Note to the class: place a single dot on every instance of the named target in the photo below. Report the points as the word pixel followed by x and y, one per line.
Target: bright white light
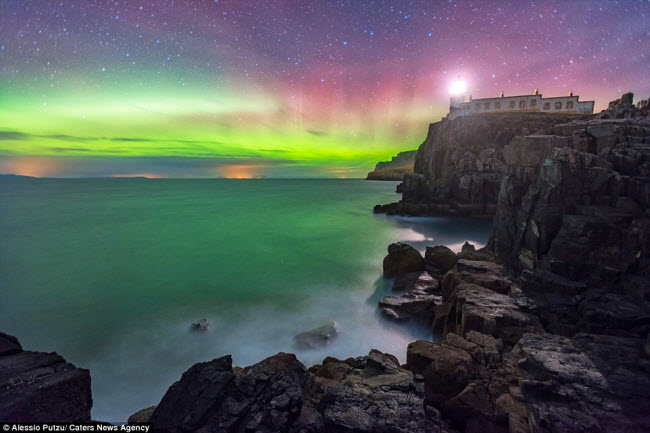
pixel 457 88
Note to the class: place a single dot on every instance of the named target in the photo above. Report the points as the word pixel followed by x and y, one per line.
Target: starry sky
pixel 305 88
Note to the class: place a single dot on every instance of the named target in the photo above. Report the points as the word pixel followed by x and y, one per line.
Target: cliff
pixel 459 165
pixel 575 199
pixel 395 169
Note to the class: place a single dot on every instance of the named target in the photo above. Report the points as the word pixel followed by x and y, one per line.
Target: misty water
pixel 110 273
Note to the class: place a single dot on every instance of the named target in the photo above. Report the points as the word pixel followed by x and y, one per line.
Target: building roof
pixel 527 96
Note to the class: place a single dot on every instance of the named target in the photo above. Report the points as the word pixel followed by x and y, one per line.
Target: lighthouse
pixel 457 92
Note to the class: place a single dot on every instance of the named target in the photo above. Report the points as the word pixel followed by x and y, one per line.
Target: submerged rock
pixel 201 325
pixel 317 337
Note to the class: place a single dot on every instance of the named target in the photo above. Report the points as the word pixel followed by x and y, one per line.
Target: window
pixel 547 105
pixel 477 106
pixel 533 102
pixel 522 103
pixel 558 105
pixel 569 105
pixel 486 106
pixel 512 104
pixel 497 105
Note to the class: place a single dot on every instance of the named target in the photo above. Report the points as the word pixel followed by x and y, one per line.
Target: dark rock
pixel 316 337
pixel 9 344
pixel 419 300
pixel 413 304
pixel 378 397
pixel 440 258
pixel 40 387
pixel 365 394
pixel 471 407
pixel 395 169
pixel 402 258
pixel 420 281
pixel 468 247
pixel 483 256
pixel 393 315
pixel 458 168
pixel 571 211
pixel 201 325
pixel 446 369
pixel 624 108
pixel 142 416
pixel 475 308
pixel 592 383
pixel 212 396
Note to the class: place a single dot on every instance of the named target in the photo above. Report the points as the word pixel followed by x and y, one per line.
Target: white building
pixel 458 106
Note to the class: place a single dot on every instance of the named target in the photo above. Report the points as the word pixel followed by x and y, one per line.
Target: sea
pixel 111 273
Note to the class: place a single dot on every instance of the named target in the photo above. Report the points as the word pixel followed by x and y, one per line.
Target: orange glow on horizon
pixel 240 171
pixel 31 166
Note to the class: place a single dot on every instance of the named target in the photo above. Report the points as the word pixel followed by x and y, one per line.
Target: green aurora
pixel 280 89
pixel 74 129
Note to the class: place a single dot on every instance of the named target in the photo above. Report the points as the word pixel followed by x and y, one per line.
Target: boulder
pixel 446 369
pixel 317 337
pixel 41 387
pixel 402 258
pixel 440 258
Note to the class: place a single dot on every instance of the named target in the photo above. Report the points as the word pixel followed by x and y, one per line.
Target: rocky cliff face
pixel 40 387
pixel 459 165
pixel 395 169
pixel 550 335
pixel 575 200
pixel 366 394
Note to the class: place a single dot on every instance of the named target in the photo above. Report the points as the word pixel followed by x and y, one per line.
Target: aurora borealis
pixel 283 88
